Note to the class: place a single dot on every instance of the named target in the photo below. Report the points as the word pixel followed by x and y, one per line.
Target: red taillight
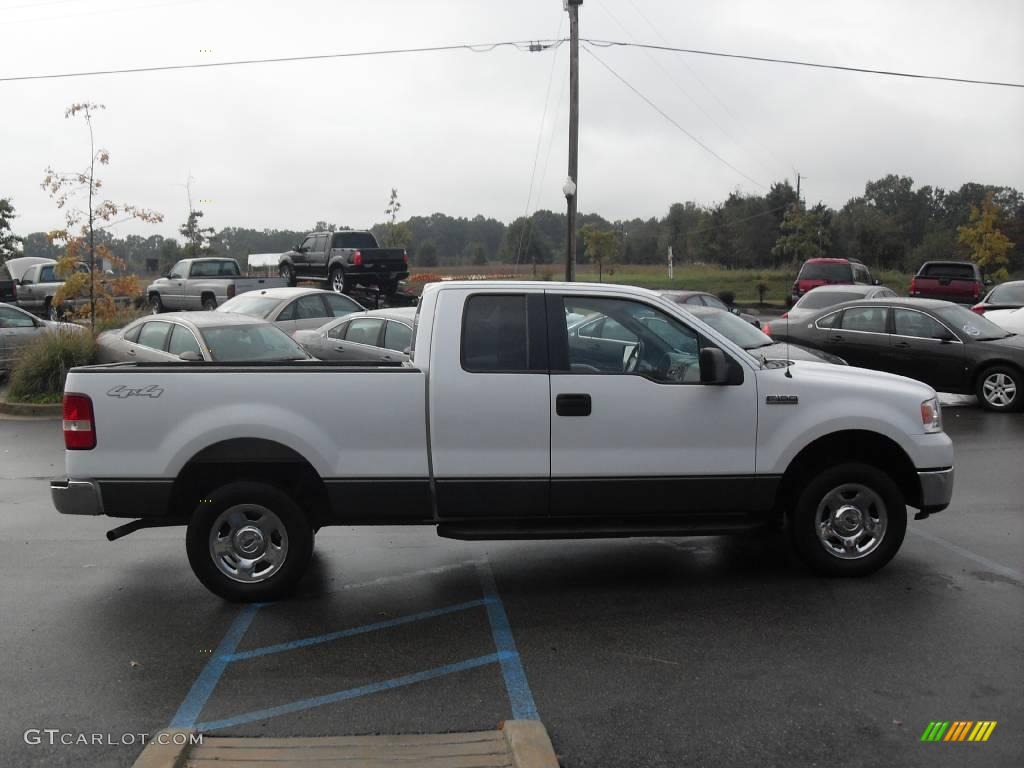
pixel 766 329
pixel 405 257
pixel 979 308
pixel 79 427
pixel 231 290
pixel 913 286
pixel 357 259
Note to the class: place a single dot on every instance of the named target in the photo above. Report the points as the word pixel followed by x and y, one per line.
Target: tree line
pixel 892 225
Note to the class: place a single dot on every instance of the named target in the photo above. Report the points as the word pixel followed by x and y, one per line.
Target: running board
pixel 598 529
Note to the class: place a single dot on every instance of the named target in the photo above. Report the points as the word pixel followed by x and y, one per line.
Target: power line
pixel 668 117
pixel 522 45
pixel 797 63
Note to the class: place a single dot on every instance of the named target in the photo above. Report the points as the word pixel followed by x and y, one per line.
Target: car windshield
pixel 1008 293
pixel 822 299
pixel 251 343
pixel 737 330
pixel 825 271
pixel 971 324
pixel 246 304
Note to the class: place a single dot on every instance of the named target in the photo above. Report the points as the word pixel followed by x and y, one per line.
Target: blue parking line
pixel 202 688
pixel 523 707
pixel 316 640
pixel 351 693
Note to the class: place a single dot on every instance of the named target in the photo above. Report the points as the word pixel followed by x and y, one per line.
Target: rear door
pixel 641 436
pixel 355 340
pixel 922 348
pixel 151 344
pixel 27 291
pixel 861 337
pixel 489 401
pixel 307 312
pixel 316 257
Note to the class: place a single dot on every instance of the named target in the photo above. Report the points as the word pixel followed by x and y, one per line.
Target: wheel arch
pixel 250 458
pixel 872 448
pixel 982 367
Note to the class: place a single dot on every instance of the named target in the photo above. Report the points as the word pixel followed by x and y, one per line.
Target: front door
pixel 922 348
pixel 634 433
pixel 489 405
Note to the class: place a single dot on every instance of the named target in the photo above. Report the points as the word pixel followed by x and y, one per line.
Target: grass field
pixel 743 283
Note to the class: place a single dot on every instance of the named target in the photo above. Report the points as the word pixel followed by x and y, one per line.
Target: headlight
pixel 931 415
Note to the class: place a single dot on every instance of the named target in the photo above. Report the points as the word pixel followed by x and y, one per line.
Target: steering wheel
pixel 632 361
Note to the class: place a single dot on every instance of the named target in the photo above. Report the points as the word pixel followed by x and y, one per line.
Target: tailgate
pixel 246 284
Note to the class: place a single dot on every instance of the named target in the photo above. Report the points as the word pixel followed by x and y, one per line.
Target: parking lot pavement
pixel 708 651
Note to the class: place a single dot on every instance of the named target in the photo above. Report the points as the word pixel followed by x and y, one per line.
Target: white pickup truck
pixel 509 422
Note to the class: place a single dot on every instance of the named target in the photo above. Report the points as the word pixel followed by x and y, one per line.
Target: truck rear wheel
pixel 209 303
pixel 288 273
pixel 849 520
pixel 249 542
pixel 337 281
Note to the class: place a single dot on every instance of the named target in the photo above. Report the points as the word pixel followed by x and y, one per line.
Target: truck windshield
pixel 251 343
pixel 353 240
pixel 825 271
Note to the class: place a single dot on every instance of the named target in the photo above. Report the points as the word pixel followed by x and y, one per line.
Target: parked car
pixel 1011 320
pixel 293 309
pixel 959 281
pixel 202 283
pixel 344 259
pixel 377 335
pixel 756 342
pixel 37 291
pixel 940 343
pixel 824 271
pixel 492 432
pixel 702 299
pixel 817 299
pixel 198 336
pixel 1004 296
pixel 18 328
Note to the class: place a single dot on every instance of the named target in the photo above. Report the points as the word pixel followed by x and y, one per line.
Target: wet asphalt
pixel 695 652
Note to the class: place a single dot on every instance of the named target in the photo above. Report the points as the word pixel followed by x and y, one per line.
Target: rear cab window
pixel 951 270
pixel 356 240
pixel 496 334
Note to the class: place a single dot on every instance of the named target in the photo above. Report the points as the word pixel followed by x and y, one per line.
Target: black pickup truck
pixel 345 259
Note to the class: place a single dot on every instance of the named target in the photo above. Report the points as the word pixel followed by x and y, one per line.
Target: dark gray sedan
pixel 379 335
pixel 197 336
pixel 292 309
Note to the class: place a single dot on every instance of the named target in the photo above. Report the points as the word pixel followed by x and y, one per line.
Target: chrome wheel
pixel 286 272
pixel 850 521
pixel 337 281
pixel 999 389
pixel 53 313
pixel 248 543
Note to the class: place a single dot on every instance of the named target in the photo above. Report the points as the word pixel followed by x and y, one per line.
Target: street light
pixel 569 190
pixel 569 187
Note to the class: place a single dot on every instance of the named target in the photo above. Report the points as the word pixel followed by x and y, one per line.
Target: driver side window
pixel 618 336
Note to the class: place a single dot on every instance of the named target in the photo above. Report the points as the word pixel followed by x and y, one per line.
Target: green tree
pixel 10 243
pixel 984 242
pixel 602 246
pixel 82 226
pixel 199 240
pixel 804 235
pixel 426 254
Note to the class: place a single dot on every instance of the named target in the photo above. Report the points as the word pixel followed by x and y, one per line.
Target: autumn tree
pixel 602 246
pixel 396 234
pixel 71 190
pixel 10 243
pixel 983 241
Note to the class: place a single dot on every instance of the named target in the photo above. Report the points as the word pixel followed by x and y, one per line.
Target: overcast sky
pixel 284 145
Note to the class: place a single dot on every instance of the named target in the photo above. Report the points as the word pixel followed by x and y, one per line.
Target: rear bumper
pixel 936 489
pixel 76 497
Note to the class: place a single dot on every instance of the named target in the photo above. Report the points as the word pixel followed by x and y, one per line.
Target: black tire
pixel 389 287
pixel 252 500
pixel 287 271
pixel 209 303
pixel 999 389
pixel 883 500
pixel 156 304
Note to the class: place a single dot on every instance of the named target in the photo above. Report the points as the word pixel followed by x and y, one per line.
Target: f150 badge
pixel 151 391
pixel 782 399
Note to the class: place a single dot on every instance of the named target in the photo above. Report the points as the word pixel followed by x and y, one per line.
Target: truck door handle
pixel 572 405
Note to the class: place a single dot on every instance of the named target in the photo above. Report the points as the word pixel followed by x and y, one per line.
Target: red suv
pixel 817 272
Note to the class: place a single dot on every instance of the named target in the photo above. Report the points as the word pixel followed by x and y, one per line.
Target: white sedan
pixel 1011 320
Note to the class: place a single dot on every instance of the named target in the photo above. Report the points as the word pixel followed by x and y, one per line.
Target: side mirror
pixel 190 356
pixel 713 367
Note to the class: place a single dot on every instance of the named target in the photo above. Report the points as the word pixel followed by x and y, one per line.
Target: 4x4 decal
pixel 122 391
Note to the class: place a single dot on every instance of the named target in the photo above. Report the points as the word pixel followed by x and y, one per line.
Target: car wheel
pixel 849 520
pixel 999 388
pixel 337 280
pixel 53 312
pixel 209 303
pixel 288 273
pixel 249 542
pixel 156 304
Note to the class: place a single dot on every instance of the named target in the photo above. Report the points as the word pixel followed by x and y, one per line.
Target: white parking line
pixel 991 565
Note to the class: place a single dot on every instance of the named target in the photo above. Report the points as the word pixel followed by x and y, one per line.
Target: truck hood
pixel 822 379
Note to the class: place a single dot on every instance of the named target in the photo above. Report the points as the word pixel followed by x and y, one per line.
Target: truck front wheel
pixel 156 304
pixel 849 520
pixel 249 542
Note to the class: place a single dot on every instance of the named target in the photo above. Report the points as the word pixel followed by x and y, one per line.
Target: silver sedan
pixel 292 309
pixel 19 328
pixel 197 336
pixel 379 335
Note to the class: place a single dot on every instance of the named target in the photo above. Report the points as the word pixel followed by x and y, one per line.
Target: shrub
pixel 727 297
pixel 41 368
pixel 118 320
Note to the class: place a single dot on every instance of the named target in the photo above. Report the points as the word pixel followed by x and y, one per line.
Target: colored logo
pixel 959 730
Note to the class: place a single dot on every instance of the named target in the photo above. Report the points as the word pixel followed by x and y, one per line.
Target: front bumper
pixel 936 489
pixel 76 497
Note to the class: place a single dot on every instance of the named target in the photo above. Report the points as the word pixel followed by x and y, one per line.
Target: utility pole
pixel 570 189
pixel 798 191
